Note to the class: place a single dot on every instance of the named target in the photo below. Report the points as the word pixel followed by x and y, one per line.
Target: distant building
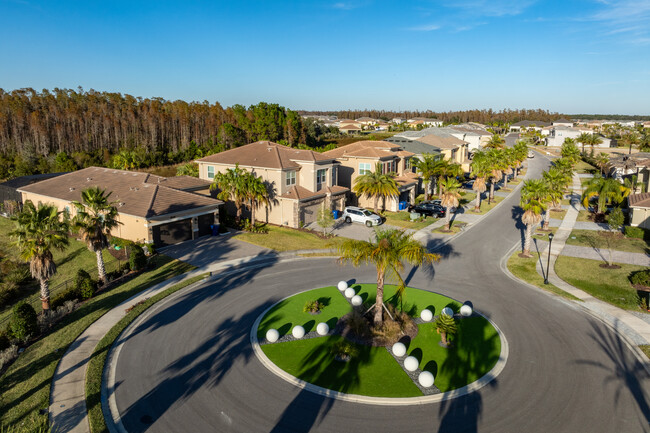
pixel 528 124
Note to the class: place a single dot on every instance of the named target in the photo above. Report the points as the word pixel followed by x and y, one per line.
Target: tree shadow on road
pixel 517 214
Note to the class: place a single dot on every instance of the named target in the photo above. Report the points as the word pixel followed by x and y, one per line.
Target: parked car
pixel 531 154
pixel 429 209
pixel 469 184
pixel 353 214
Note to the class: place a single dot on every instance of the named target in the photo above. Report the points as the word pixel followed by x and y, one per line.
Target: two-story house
pixel 362 157
pixel 303 182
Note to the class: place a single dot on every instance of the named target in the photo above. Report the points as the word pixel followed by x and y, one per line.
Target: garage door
pixel 310 213
pixel 205 221
pixel 172 233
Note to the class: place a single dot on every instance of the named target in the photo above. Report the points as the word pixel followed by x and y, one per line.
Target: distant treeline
pixel 609 117
pixel 83 128
pixel 487 117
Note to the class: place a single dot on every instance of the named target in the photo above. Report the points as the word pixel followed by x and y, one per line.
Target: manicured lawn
pixel 584 215
pixel 524 269
pixel 543 235
pixel 456 226
pixel 558 214
pixel 373 372
pixel 609 285
pixel 467 198
pixel 485 207
pixel 288 313
pixel 25 386
pixel 584 167
pixel 591 238
pixel 286 239
pixel 403 219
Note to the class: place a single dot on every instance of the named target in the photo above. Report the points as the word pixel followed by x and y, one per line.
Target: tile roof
pixel 300 193
pixel 563 120
pixel 137 194
pixel 265 154
pixel 415 147
pixel 639 200
pixel 368 149
pixel 180 182
pixel 450 142
pixel 528 123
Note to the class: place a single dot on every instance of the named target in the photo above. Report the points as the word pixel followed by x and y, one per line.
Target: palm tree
pixel 521 153
pixel 257 193
pixel 607 190
pixel 233 185
pixel 376 184
pixel 558 181
pixel 509 161
pixel 480 170
pixel 426 167
pixel 583 139
pixel 445 326
pixel 390 249
pixel 533 202
pixel 495 142
pixel 553 194
pixel 449 197
pixel 126 160
pixel 631 139
pixel 602 160
pixel 95 218
pixel 40 230
pixel 495 167
pixel 570 150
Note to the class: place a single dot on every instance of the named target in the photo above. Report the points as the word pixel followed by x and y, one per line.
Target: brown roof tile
pixel 265 154
pixel 441 142
pixel 639 200
pixel 367 148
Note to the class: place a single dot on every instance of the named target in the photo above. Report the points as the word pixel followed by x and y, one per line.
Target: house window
pixel 210 172
pixel 364 167
pixel 407 164
pixel 321 178
pixel 291 178
pixel 334 176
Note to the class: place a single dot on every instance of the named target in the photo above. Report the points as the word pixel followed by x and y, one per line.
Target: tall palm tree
pixel 376 184
pixel 233 185
pixel 509 161
pixel 533 202
pixel 495 142
pixel 388 252
pixel 631 139
pixel 495 164
pixel 480 170
pixel 570 150
pixel 95 218
pixel 602 160
pixel 607 190
pixel 449 197
pixel 520 153
pixel 40 230
pixel 553 194
pixel 583 139
pixel 426 167
pixel 440 170
pixel 257 193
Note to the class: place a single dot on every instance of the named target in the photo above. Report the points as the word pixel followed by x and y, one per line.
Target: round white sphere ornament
pixel 349 292
pixel 426 379
pixel 342 285
pixel 356 300
pixel 322 328
pixel 298 331
pixel 447 312
pixel 465 310
pixel 426 315
pixel 272 335
pixel 399 349
pixel 411 363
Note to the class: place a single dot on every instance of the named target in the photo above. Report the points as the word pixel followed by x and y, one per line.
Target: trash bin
pixel 215 229
pixel 336 214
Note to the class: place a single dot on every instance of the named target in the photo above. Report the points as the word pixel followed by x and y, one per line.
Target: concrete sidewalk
pixel 634 328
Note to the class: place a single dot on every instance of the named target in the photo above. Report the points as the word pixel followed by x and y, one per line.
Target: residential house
pixel 427 121
pixel 303 181
pixel 639 210
pixel 349 128
pixel 558 134
pixel 528 124
pixel 447 140
pixel 362 157
pixel 476 137
pixel 151 209
pixel 562 122
pixel 635 164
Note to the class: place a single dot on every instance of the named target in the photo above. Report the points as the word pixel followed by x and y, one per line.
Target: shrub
pixel 634 232
pixel 7 355
pixel 19 274
pixel 70 294
pixel 641 278
pixel 24 323
pixel 46 321
pixel 84 285
pixel 137 259
pixel 312 307
pixel 344 350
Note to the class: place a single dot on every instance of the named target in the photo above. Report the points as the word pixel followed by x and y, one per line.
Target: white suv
pixel 360 215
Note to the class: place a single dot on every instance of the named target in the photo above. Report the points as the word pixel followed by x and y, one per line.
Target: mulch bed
pixel 344 330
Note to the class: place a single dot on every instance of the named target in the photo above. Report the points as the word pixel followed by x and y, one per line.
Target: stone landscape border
pixel 380 401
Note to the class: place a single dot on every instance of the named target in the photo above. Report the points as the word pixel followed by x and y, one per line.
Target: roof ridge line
pixel 153 198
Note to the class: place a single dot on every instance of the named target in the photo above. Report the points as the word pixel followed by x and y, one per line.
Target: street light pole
pixel 548 261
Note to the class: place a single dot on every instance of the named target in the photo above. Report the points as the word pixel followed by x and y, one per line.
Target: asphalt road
pixel 188 365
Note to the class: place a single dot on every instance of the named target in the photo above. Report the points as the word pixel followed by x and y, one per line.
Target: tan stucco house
pixel 303 181
pixel 152 209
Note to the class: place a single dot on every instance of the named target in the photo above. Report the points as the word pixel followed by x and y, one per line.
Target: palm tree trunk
pixel 427 187
pixel 379 304
pixel 45 295
pixel 238 214
pixel 252 213
pixel 376 202
pixel 101 269
pixel 447 219
pixel 491 194
pixel 547 217
pixel 477 205
pixel 505 181
pixel 443 337
pixel 529 236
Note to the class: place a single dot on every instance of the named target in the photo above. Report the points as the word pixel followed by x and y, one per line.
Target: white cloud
pixel 425 28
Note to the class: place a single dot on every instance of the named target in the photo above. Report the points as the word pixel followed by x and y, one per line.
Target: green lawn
pixel 288 313
pixel 25 386
pixel 485 207
pixel 558 214
pixel 286 239
pixel 456 226
pixel 413 300
pixel 645 348
pixel 467 198
pixel 543 235
pixel 584 167
pixel 583 215
pixel 591 238
pixel 524 269
pixel 403 219
pixel 609 285
pixel 373 372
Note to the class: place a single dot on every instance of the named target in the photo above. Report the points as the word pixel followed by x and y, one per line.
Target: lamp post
pixel 548 261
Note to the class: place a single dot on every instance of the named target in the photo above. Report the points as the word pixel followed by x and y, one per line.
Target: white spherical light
pixel 447 312
pixel 356 300
pixel 426 379
pixel 349 292
pixel 298 332
pixel 399 349
pixel 465 310
pixel 272 335
pixel 426 315
pixel 411 363
pixel 342 285
pixel 322 328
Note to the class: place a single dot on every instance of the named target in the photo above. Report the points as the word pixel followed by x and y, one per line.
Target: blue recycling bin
pixel 215 229
pixel 403 205
pixel 336 214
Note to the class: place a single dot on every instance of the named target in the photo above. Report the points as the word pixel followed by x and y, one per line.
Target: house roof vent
pixel 72 188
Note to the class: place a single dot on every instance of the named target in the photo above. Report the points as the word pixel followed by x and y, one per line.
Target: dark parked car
pixel 469 184
pixel 429 209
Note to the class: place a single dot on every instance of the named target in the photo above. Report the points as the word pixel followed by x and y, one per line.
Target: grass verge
pixel 645 348
pixel 455 227
pixel 584 167
pixel 485 207
pixel 403 220
pixel 98 358
pixel 524 269
pixel 591 239
pixel 286 239
pixel 25 386
pixel 609 285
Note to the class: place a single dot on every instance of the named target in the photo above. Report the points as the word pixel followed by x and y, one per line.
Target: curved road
pixel 188 366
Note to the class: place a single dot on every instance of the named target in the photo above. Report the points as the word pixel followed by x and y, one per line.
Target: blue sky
pixel 584 56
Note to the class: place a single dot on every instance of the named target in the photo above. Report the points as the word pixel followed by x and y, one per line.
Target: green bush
pixel 84 285
pixel 634 232
pixel 70 294
pixel 137 259
pixel 24 323
pixel 641 278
